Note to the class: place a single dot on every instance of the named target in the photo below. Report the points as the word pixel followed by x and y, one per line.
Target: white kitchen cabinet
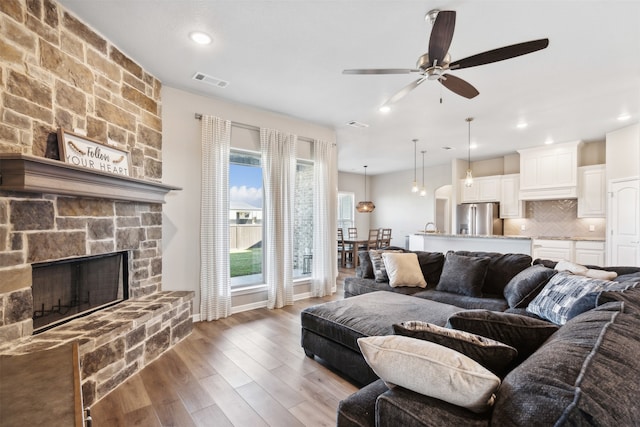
pixel 589 252
pixel 510 204
pixel 623 222
pixel 554 250
pixel 484 189
pixel 591 192
pixel 549 172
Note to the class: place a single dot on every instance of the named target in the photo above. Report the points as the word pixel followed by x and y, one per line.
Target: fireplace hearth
pixel 66 289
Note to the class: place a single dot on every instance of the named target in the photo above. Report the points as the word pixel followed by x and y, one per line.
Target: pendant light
pixel 423 190
pixel 414 187
pixel 468 181
pixel 365 206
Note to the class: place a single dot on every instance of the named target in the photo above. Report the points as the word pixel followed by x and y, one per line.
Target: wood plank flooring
pixel 245 370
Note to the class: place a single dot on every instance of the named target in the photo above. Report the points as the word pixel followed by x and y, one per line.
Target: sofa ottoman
pixel 331 330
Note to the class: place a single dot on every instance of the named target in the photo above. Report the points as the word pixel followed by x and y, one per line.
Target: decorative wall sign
pixel 78 150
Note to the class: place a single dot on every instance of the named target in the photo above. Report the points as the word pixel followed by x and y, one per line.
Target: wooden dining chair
pixel 353 232
pixel 344 250
pixel 385 237
pixel 372 242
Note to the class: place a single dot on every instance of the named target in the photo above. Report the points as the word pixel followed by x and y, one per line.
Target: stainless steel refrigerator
pixel 479 219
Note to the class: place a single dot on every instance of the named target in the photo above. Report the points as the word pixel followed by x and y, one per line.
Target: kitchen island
pixel 436 242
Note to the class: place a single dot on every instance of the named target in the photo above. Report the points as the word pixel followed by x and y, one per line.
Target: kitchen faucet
pixel 433 230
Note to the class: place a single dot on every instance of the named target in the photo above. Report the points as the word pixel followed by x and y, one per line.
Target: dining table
pixel 355 245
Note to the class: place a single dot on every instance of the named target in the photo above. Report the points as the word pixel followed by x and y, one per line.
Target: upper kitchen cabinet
pixel 592 187
pixel 549 172
pixel 484 189
pixel 510 204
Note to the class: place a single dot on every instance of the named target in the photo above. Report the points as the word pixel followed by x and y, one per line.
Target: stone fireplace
pixel 56 72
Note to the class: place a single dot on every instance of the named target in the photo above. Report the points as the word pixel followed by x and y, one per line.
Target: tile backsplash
pixel 554 218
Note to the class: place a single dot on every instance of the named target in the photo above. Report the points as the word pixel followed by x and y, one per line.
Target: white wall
pixel 354 183
pixel 623 153
pixel 400 209
pixel 181 167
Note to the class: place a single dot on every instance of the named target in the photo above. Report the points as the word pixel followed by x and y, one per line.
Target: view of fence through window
pixel 245 219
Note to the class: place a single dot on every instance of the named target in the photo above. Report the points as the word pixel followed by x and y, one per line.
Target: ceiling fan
pixel 434 64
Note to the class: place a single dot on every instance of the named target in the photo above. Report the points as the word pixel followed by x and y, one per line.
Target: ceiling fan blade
pixel 381 71
pixel 441 35
pixel 500 54
pixel 404 91
pixel 459 86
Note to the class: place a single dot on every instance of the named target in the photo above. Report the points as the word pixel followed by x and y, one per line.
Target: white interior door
pixel 624 223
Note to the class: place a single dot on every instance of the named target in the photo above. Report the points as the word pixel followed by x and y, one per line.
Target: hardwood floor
pixel 245 370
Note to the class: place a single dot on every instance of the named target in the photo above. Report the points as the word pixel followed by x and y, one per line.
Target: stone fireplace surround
pixel 116 342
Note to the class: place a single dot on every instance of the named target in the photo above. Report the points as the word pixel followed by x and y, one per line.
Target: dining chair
pixel 372 242
pixel 353 232
pixel 385 238
pixel 344 250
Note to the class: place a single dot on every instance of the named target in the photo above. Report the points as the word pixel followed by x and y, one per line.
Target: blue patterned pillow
pixel 555 300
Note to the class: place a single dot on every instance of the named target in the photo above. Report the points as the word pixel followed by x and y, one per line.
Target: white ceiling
pixel 287 56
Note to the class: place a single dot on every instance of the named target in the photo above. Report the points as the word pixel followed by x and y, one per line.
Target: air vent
pixel 356 124
pixel 447 148
pixel 210 80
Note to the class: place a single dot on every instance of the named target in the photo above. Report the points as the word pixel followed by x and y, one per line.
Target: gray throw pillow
pixel 524 286
pixel 365 266
pixel 493 355
pixel 502 268
pixel 431 265
pixel 524 333
pixel 463 275
pixel 379 270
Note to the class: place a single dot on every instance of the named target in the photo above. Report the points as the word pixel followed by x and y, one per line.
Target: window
pixel 346 206
pixel 245 218
pixel 303 220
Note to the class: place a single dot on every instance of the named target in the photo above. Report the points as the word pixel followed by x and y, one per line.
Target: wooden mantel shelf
pixel 31 174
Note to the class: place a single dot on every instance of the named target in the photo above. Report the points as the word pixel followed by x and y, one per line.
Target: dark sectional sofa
pixel 585 372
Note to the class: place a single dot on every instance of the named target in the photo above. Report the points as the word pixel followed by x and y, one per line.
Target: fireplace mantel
pixel 31 174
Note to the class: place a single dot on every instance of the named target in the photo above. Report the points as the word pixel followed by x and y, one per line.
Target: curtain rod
pixel 198 116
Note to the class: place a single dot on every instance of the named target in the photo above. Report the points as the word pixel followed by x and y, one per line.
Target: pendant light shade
pixel 468 181
pixel 423 190
pixel 365 206
pixel 414 187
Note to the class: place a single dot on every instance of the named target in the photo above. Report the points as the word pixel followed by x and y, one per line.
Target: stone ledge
pixel 117 342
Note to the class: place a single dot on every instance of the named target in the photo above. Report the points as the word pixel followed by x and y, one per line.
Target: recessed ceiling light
pixel 473 145
pixel 384 109
pixel 548 141
pixel 200 37
pixel 623 117
pixel 522 125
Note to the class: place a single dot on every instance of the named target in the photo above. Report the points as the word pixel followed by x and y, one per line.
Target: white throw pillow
pixel 431 369
pixel 601 274
pixel 572 267
pixel 403 269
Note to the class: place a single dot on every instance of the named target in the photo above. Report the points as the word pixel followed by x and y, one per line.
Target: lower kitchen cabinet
pixel 589 253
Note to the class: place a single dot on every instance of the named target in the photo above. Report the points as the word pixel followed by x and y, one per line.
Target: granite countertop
pixel 468 236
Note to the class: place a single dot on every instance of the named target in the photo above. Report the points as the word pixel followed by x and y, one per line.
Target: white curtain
pixel 325 194
pixel 278 171
pixel 215 284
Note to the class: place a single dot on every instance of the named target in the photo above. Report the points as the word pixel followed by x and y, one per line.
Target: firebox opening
pixel 66 289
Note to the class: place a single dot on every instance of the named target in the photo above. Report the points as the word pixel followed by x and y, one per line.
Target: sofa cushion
pixel 431 264
pixel 431 369
pixel 365 266
pixel 463 275
pixel 523 333
pixel 357 286
pixel 588 373
pixel 525 285
pixel 502 268
pixel 403 270
pixel 379 269
pixel 359 409
pixel 488 302
pixel 493 355
pixel 556 299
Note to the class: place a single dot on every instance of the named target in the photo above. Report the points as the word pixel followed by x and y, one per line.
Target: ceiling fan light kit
pixel 365 206
pixel 434 64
